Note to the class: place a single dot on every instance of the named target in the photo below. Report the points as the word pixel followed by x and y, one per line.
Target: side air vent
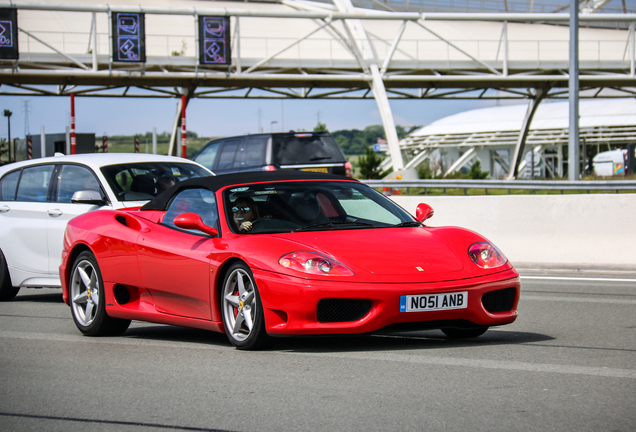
pixel 342 310
pixel 121 220
pixel 499 301
pixel 122 296
pixel 128 221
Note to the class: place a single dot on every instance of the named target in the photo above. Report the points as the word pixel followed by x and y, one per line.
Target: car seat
pixel 143 183
pixel 307 208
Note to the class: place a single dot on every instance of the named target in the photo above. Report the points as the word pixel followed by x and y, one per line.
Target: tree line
pixel 355 141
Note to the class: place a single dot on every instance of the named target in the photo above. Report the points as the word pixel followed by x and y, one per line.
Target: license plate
pixel 317 169
pixel 434 302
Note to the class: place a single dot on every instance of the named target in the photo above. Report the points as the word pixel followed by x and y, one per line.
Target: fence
pixel 614 186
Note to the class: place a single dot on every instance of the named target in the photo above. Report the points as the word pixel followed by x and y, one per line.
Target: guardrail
pixel 552 185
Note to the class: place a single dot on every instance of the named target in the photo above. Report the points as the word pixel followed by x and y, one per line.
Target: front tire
pixel 456 333
pixel 88 300
pixel 242 309
pixel 7 291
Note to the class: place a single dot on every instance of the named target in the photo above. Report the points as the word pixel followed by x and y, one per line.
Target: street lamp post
pixel 272 125
pixel 7 114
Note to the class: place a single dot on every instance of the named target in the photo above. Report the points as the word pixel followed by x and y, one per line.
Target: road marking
pixel 486 364
pixel 576 299
pixel 393 357
pixel 579 279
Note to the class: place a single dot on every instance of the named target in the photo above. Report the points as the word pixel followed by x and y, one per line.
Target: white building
pixel 490 135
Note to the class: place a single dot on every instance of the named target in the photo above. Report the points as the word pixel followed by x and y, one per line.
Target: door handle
pixel 4 209
pixel 55 212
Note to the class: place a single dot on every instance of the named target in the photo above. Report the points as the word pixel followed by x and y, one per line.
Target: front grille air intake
pixel 342 310
pixel 499 301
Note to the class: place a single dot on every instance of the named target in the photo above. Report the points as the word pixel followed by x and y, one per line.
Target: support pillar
pixel 176 125
pixel 379 93
pixel 67 137
pixel 360 39
pixel 73 141
pixel 42 142
pixel 184 147
pixel 573 136
pixel 462 160
pixel 154 140
pixel 94 38
pixel 523 133
pixel 175 128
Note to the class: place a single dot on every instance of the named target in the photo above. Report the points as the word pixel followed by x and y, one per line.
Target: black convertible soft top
pixel 214 183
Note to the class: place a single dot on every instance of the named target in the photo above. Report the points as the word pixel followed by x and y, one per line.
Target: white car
pixel 38 198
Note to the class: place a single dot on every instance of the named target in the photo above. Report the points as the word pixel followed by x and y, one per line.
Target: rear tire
pixel 88 304
pixel 7 291
pixel 242 310
pixel 455 333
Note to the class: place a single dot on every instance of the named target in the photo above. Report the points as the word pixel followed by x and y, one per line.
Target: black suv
pixel 305 151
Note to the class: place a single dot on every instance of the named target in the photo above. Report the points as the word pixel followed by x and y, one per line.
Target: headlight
pixel 314 263
pixel 486 255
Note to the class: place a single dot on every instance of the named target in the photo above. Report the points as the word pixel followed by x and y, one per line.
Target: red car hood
pixel 384 252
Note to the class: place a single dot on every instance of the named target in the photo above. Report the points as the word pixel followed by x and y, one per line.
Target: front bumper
pixel 290 304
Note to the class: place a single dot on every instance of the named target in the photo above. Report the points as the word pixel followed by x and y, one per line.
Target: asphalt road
pixel 567 364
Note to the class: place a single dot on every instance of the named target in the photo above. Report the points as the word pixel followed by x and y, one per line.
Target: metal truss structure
pixel 308 50
pixel 494 149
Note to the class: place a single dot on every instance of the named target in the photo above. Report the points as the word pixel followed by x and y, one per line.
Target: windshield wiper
pixel 320 158
pixel 408 224
pixel 335 225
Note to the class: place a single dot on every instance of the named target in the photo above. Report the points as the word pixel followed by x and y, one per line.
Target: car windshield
pixel 144 181
pixel 310 206
pixel 305 149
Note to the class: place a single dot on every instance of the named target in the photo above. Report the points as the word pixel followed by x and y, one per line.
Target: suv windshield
pixel 144 181
pixel 310 206
pixel 305 149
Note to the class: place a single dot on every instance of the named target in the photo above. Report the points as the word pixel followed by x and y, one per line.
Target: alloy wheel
pixel 85 293
pixel 239 303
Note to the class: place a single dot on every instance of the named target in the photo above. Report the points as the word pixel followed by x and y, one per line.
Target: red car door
pixel 175 267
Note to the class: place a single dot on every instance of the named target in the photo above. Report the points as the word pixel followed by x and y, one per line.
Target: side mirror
pixel 423 212
pixel 88 197
pixel 192 221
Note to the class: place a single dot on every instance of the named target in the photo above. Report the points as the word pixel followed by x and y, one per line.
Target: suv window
pixel 309 149
pixel 34 183
pixel 226 160
pixel 8 186
pixel 251 152
pixel 208 155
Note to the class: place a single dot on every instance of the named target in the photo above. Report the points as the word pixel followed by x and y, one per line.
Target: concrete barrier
pixel 577 232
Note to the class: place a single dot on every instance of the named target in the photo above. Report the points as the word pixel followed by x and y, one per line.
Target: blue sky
pixel 216 117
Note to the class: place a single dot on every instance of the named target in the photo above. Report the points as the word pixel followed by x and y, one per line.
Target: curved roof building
pixel 490 135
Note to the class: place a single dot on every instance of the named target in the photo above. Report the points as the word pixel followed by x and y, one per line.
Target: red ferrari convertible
pixel 264 254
